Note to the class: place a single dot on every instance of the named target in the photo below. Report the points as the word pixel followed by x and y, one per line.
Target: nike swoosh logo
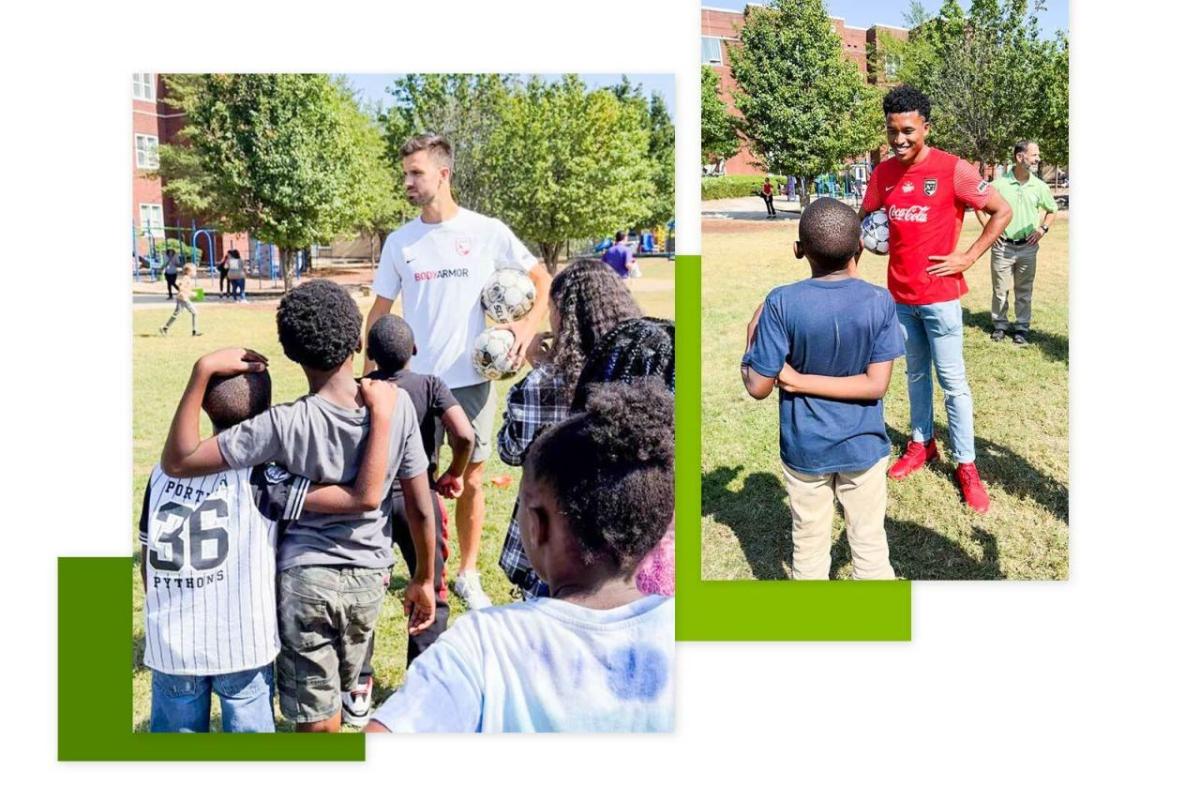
pixel 889 188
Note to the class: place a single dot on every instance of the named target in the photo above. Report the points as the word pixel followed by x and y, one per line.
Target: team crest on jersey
pixel 274 474
pixel 908 187
pixel 462 247
pixel 930 186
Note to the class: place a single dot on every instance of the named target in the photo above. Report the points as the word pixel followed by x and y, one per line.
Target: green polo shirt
pixel 1028 200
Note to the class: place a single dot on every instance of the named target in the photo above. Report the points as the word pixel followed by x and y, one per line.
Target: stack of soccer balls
pixel 875 232
pixel 507 297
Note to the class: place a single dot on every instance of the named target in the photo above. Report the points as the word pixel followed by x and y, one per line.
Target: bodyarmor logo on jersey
pixel 462 247
pixel 429 275
pixel 908 187
pixel 982 188
pixel 909 214
pixel 275 474
pixel 930 186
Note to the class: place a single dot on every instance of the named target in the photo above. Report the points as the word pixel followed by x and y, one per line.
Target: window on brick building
pixel 151 222
pixel 143 85
pixel 710 50
pixel 891 65
pixel 147 151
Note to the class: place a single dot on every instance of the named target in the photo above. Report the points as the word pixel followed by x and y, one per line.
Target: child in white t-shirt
pixel 597 494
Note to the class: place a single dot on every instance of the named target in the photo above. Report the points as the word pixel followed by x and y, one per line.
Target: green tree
pixel 573 162
pixel 718 128
pixel 383 208
pixel 278 155
pixel 652 115
pixel 461 107
pixel 990 77
pixel 805 107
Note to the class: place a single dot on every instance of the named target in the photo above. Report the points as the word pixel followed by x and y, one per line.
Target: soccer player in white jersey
pixel 208 558
pixel 438 263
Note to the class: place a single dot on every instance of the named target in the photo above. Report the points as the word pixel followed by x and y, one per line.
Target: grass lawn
pixel 160 370
pixel 1020 397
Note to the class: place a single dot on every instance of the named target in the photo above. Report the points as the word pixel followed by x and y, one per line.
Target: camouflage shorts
pixel 326 616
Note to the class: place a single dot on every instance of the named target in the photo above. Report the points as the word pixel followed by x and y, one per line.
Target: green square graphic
pixel 95 694
pixel 754 610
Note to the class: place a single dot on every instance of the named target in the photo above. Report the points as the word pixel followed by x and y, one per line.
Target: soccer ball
pixel 490 354
pixel 875 232
pixel 508 295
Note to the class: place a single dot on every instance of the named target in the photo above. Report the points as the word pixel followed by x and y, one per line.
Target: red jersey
pixel 925 204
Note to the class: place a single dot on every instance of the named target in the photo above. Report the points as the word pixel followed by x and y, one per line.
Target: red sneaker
pixel 973 491
pixel 914 458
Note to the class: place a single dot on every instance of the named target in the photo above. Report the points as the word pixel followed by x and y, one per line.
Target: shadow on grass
pixel 919 553
pixel 1000 466
pixel 1052 346
pixel 758 515
pixel 760 518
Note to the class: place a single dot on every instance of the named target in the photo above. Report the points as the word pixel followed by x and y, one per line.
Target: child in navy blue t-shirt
pixel 828 343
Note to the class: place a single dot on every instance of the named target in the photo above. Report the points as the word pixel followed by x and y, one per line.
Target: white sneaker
pixel 356 704
pixel 468 587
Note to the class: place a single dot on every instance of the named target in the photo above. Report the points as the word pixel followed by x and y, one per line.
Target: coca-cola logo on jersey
pixel 908 214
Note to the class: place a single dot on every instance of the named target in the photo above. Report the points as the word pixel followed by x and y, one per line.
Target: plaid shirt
pixel 534 403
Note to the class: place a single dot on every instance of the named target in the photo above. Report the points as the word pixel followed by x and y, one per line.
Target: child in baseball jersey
pixel 208 559
pixel 597 494
pixel 333 568
pixel 828 344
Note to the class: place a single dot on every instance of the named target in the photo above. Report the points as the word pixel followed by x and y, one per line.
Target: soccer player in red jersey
pixel 925 192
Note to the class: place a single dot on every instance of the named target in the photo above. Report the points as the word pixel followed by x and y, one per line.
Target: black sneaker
pixel 1021 338
pixel 998 335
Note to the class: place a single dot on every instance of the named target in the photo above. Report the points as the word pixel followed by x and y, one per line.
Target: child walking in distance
pixel 183 291
pixel 333 568
pixel 208 557
pixel 597 493
pixel 587 300
pixel 828 344
pixel 390 346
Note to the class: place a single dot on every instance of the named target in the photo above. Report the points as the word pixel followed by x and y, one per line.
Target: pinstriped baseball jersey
pixel 210 567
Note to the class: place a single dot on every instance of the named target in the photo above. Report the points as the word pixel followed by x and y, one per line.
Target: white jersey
pixel 439 269
pixel 210 567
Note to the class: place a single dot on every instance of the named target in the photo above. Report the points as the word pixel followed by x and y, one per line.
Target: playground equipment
pixel 262 259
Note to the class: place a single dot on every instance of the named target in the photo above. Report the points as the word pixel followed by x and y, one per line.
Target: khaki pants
pixel 1013 267
pixel 863 496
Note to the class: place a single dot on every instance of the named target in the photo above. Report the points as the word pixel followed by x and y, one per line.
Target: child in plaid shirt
pixel 587 300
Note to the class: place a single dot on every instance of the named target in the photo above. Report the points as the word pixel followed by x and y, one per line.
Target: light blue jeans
pixel 933 336
pixel 183 703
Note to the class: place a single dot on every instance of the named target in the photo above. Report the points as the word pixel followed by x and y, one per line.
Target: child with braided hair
pixel 587 300
pixel 597 495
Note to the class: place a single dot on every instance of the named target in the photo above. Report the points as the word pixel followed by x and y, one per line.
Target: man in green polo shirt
pixel 1014 254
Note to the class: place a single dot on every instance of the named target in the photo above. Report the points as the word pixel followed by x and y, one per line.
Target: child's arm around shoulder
pixel 758 386
pixel 185 454
pixel 370 485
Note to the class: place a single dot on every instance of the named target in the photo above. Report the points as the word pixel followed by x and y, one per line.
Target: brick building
pixel 720 30
pixel 153 214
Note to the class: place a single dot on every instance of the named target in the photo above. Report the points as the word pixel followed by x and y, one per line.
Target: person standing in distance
pixel 926 192
pixel 439 263
pixel 1014 255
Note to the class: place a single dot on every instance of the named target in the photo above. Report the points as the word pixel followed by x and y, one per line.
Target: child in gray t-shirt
pixel 334 569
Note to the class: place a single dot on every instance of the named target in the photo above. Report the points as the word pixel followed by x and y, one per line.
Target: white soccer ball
pixel 508 295
pixel 875 232
pixel 490 354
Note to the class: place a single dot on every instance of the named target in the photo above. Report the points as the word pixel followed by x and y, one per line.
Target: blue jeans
pixel 183 703
pixel 933 335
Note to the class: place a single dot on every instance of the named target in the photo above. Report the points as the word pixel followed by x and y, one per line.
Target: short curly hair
pixel 902 99
pixel 390 343
pixel 829 233
pixel 632 351
pixel 319 325
pixel 611 469
pixel 590 300
pixel 229 400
